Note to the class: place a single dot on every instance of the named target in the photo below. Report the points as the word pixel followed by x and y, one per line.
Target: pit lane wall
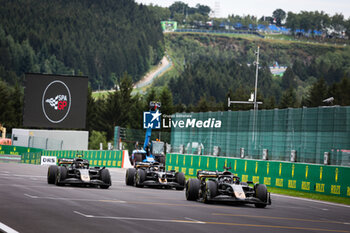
pixel 322 179
pixel 103 158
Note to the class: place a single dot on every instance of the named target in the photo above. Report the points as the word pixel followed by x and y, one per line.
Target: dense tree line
pixel 100 39
pixel 335 25
pixel 209 68
pixel 318 21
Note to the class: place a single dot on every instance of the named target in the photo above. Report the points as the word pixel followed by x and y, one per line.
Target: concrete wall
pixel 51 139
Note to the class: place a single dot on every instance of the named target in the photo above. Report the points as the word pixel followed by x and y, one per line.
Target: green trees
pixel 289 79
pixel 317 94
pixel 183 14
pixel 289 99
pixel 96 39
pixel 209 67
pixel 279 15
pixel 11 105
pixel 96 138
pixel 319 21
pixel 166 100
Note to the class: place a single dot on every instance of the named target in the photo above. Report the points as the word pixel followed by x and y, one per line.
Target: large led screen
pixel 55 101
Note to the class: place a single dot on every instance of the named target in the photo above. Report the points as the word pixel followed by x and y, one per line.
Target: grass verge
pixel 313 196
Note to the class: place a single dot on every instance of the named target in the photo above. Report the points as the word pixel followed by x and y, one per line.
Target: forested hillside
pixel 101 39
pixel 209 67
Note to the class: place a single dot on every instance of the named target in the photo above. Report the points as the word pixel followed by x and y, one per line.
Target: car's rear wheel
pixel 261 193
pixel 140 177
pixel 129 176
pixel 51 174
pixel 106 178
pixel 181 180
pixel 211 190
pixel 192 189
pixel 61 175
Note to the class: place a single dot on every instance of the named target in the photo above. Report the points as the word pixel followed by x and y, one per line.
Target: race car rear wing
pixel 65 161
pixel 141 164
pixel 207 174
pixel 70 161
pixel 147 165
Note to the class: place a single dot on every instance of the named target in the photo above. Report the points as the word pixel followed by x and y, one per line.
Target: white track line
pixel 139 219
pixel 7 229
pixel 310 200
pixel 194 220
pixel 72 199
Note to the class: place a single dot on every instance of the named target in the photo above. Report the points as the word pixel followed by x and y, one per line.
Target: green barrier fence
pixel 103 158
pixel 330 180
pixel 309 131
pixel 31 158
pixel 16 150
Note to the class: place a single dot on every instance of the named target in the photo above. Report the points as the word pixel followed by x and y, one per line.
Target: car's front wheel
pixel 210 191
pixel 192 189
pixel 51 174
pixel 181 180
pixel 129 176
pixel 140 177
pixel 61 175
pixel 261 193
pixel 106 178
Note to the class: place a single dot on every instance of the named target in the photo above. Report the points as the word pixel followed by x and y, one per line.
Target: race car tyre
pixel 129 176
pixel 106 178
pixel 51 174
pixel 61 175
pixel 181 180
pixel 192 189
pixel 140 177
pixel 138 158
pixel 211 190
pixel 261 193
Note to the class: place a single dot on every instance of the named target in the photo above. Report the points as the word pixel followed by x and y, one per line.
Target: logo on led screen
pixel 56 101
pixel 151 120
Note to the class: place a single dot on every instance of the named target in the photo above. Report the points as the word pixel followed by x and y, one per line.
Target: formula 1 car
pixel 77 172
pixel 154 175
pixel 217 186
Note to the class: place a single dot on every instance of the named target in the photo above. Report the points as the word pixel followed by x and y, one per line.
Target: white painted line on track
pixel 310 200
pixel 72 199
pixel 31 196
pixel 22 176
pixel 29 176
pixel 194 220
pixel 139 219
pixel 7 229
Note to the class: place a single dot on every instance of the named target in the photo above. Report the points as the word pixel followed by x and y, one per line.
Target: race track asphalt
pixel 29 204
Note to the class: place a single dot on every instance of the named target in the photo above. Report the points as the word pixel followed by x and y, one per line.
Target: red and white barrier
pixel 125 160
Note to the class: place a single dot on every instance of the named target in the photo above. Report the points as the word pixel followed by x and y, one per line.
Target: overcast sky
pixel 264 7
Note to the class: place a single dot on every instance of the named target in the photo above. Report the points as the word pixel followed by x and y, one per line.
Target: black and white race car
pixel 77 172
pixel 154 175
pixel 224 186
